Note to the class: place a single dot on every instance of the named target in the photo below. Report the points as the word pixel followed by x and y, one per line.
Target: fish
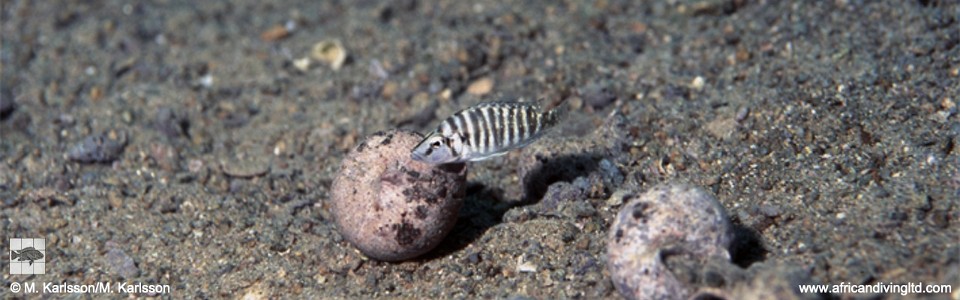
pixel 28 253
pixel 484 131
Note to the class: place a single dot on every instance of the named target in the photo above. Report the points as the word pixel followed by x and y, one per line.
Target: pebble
pixel 666 220
pixel 743 113
pixel 330 52
pixel 274 33
pixel 170 123
pixel 390 206
pixel 481 86
pixel 376 69
pixel 121 264
pixel 610 172
pixel 722 128
pixel 166 156
pixel 697 83
pixel 302 64
pixel 618 198
pixel 99 148
pixel 939 219
pixel 577 209
pixel 559 193
pixel 246 165
pixel 770 210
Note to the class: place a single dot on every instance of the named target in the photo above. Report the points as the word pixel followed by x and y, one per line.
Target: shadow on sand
pixel 484 207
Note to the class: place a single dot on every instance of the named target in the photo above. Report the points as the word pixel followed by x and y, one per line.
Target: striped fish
pixel 484 131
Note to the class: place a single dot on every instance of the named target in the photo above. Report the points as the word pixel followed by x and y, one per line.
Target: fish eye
pixel 435 145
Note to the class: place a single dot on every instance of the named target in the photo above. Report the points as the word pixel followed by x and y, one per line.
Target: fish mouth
pixel 426 159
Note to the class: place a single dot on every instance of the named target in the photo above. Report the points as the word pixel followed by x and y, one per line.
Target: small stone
pixel 770 210
pixel 666 221
pixel 742 113
pixel 65 120
pixel 99 148
pixel 947 104
pixel 274 33
pixel 330 52
pixel 119 263
pixel 559 193
pixel 127 117
pixel 96 93
pixel 577 209
pixel 195 165
pixel 480 86
pixel 473 257
pixel 610 172
pixel 618 198
pixel 115 199
pixel 376 69
pixel 525 266
pixel 166 156
pixel 302 64
pixel 254 293
pixel 743 55
pixel 246 165
pixel 390 206
pixel 939 219
pixel 697 83
pixel 389 89
pixel 171 123
pixel 722 127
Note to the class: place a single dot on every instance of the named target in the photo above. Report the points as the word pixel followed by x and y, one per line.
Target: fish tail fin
pixel 555 111
pixel 555 115
pixel 14 254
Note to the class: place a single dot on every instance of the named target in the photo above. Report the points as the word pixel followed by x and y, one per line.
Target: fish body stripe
pixel 474 123
pixel 490 129
pixel 539 122
pixel 502 113
pixel 511 137
pixel 497 116
pixel 462 128
pixel 450 126
pixel 516 126
pixel 524 124
pixel 463 134
pixel 487 130
pixel 484 128
pixel 528 120
pixel 497 119
pixel 508 130
pixel 534 125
